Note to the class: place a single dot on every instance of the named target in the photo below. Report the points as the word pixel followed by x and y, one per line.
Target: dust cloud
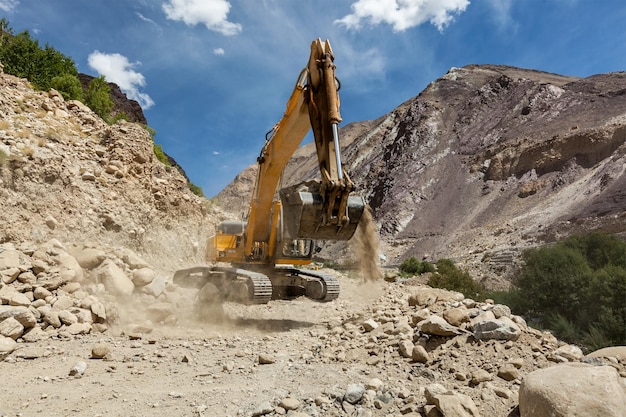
pixel 364 244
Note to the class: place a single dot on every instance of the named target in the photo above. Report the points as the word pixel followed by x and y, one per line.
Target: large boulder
pixel 114 278
pixel 573 389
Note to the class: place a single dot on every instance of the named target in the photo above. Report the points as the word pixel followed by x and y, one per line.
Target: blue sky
pixel 213 76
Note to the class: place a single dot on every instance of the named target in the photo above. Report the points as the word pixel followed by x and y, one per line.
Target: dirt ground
pixel 190 367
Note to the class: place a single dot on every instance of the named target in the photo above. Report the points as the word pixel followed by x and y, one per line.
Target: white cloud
pixel 8 5
pixel 212 13
pixel 117 69
pixel 216 153
pixel 144 18
pixel 403 14
pixel 502 14
pixel 218 51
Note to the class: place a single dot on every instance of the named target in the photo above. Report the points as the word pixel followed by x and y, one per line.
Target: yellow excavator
pixel 281 232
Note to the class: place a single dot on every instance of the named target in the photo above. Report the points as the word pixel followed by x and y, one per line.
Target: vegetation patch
pixel 575 288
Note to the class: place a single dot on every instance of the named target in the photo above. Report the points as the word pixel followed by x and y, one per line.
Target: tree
pixel 577 288
pixel 22 56
pixel 69 86
pixel 98 97
pixel 551 281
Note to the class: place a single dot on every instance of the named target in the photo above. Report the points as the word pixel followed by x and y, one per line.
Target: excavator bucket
pixel 303 214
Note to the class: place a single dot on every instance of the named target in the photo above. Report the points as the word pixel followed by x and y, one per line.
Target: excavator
pixel 267 249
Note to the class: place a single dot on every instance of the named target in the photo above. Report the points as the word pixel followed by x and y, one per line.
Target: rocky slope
pixel 487 160
pixel 92 227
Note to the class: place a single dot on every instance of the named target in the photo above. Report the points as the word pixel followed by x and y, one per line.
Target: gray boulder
pixel 573 389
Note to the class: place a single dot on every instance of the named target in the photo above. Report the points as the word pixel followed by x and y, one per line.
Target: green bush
pixel 576 288
pixel 69 86
pixel 411 266
pixel 196 190
pixel 98 98
pixel 450 277
pixel 22 56
pixel 160 155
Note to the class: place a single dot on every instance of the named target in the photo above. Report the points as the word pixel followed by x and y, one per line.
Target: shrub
pixel 69 86
pixel 576 288
pixel 411 266
pixel 119 116
pixel 196 190
pixel 98 98
pixel 450 277
pixel 22 56
pixel 160 155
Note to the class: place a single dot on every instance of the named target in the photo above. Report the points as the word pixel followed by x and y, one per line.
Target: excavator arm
pixel 319 210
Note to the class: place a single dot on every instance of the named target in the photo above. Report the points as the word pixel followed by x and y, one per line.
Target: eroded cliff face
pixel 488 160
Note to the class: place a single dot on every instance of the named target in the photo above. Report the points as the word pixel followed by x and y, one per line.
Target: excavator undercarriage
pixel 251 287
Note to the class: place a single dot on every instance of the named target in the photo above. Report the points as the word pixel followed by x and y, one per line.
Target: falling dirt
pixel 364 244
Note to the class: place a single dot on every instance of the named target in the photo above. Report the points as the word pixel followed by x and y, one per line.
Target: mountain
pixel 486 161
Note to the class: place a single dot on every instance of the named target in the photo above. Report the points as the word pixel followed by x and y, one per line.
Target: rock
pixel 34 335
pixel 456 316
pixel 156 287
pixel 19 299
pixel 100 351
pixel 570 352
pixel 370 325
pixel 9 275
pixel 290 404
pixel 79 328
pixel 143 276
pixel 52 318
pixel 266 359
pixel 406 348
pixel 89 258
pixel 498 329
pixel 263 408
pixel 618 352
pixel 437 326
pixel 572 389
pixel 354 393
pixel 40 293
pixel 78 369
pixel 98 310
pixel 31 352
pixel 70 268
pixel 501 310
pixel 374 384
pixel 114 279
pixel 9 259
pixel 480 375
pixel 419 354
pixel 7 346
pixel 456 405
pixel 67 318
pixel 12 328
pixel 133 260
pixel 20 313
pixel 63 302
pixel 508 372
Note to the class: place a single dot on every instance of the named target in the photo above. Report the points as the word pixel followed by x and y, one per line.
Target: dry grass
pixel 28 151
